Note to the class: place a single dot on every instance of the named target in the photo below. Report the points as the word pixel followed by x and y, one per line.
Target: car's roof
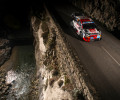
pixel 84 20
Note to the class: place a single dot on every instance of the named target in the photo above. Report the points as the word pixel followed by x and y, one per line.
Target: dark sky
pixel 14 13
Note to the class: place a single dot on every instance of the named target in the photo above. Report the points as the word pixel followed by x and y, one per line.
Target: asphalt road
pixel 101 59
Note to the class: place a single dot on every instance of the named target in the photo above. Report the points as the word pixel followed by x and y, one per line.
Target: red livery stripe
pixel 92 30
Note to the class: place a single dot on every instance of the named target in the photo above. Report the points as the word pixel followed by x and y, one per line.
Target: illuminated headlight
pixel 99 34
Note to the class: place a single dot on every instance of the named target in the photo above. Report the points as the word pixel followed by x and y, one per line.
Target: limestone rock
pixel 5 50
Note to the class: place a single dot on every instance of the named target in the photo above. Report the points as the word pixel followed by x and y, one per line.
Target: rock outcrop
pixel 4 87
pixel 5 50
pixel 60 74
pixel 51 82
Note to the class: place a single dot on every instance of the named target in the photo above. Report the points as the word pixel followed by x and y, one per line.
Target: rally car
pixel 85 27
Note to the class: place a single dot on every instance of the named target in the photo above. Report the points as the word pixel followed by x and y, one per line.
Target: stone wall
pixel 59 68
pixel 105 11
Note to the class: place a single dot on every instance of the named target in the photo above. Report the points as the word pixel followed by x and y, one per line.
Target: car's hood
pixel 92 30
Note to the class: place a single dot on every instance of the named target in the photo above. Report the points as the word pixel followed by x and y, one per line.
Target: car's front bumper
pixel 92 37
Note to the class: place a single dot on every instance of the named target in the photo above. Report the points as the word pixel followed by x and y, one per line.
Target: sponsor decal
pixel 93 30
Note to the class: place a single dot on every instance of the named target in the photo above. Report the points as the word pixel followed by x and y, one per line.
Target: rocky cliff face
pixel 60 75
pixel 5 50
pixel 105 11
pixel 51 81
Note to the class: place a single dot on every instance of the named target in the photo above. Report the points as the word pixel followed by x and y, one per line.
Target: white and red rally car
pixel 85 28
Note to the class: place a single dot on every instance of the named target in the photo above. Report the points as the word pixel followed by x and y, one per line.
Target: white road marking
pixel 111 56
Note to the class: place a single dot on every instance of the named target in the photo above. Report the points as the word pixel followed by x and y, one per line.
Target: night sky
pixel 14 14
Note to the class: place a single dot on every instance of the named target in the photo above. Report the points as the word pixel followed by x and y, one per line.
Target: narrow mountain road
pixel 101 59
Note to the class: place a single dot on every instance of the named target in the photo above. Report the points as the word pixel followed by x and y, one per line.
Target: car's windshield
pixel 89 26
